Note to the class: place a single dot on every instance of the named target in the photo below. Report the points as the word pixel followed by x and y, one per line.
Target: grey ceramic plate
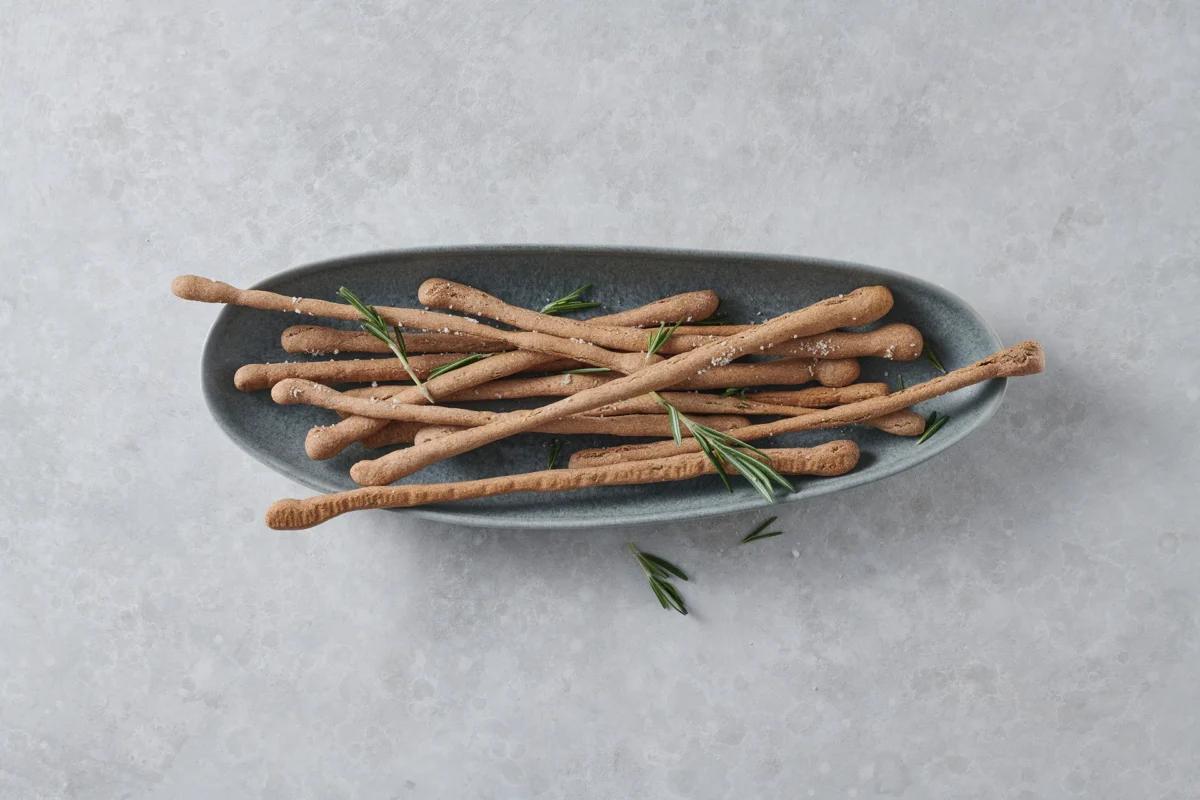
pixel 752 287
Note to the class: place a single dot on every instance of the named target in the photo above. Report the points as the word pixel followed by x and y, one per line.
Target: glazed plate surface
pixel 752 288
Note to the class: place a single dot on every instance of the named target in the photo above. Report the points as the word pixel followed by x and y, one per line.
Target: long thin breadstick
pixel 327 441
pixel 253 377
pixel 442 293
pixel 835 312
pixel 820 396
pixel 193 287
pixel 395 433
pixel 292 392
pixel 782 372
pixel 316 340
pixel 833 458
pixel 900 423
pixel 1026 358
pixel 897 341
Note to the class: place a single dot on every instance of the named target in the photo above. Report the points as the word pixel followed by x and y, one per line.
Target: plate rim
pixel 990 401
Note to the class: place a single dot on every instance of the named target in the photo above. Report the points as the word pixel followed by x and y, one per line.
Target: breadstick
pixel 1026 358
pixel 442 293
pixel 327 441
pixel 253 377
pixel 318 340
pixel 899 423
pixel 820 396
pixel 897 341
pixel 832 458
pixel 835 312
pixel 292 391
pixel 395 433
pixel 193 287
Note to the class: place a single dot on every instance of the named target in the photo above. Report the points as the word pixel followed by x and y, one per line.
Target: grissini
pixel 898 341
pixel 194 287
pixel 1026 358
pixel 300 392
pixel 866 302
pixel 449 295
pixel 832 458
pixel 255 377
pixel 327 441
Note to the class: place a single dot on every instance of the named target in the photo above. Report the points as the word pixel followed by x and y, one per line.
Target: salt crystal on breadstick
pixel 832 458
pixel 867 302
pixel 1026 358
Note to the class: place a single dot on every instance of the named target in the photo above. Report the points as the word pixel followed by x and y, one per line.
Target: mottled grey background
pixel 1017 619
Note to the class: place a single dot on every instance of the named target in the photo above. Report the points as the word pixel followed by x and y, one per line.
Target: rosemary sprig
pixel 932 425
pixel 453 365
pixel 658 338
pixel 554 447
pixel 378 327
pixel 900 381
pixel 570 302
pixel 721 448
pixel 932 358
pixel 659 573
pixel 734 391
pixel 761 532
pixel 724 451
pixel 584 370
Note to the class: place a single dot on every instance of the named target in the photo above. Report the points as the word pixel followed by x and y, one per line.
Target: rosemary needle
pixel 554 447
pixel 584 370
pixel 453 365
pixel 659 573
pixel 377 326
pixel 572 301
pixel 932 358
pixel 932 425
pixel 761 532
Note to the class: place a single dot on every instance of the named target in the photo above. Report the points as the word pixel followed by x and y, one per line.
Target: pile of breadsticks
pixel 600 379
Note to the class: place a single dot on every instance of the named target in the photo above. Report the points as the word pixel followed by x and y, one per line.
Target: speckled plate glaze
pixel 752 288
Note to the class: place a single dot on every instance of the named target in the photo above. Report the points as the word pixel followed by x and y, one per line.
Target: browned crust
pixel 832 458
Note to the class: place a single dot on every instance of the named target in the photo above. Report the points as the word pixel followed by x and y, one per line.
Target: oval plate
pixel 752 288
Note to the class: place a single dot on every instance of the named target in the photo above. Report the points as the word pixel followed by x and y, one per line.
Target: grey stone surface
pixel 1015 619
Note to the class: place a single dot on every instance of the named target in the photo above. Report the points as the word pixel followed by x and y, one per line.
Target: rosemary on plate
pixel 453 365
pixel 572 301
pixel 932 358
pixel 932 425
pixel 553 448
pixel 377 326
pixel 659 573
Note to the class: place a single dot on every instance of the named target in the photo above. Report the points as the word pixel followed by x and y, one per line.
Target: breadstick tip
pixel 1026 358
pixel 290 391
pixel 436 293
pixel 365 473
pixel 250 378
pixel 203 290
pixel 292 515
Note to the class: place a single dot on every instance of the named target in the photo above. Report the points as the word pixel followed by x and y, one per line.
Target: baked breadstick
pixel 867 302
pixel 395 433
pixel 897 341
pixel 820 396
pixel 833 458
pixel 1026 358
pixel 319 340
pixel 442 293
pixel 292 391
pixel 254 377
pixel 193 287
pixel 327 441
